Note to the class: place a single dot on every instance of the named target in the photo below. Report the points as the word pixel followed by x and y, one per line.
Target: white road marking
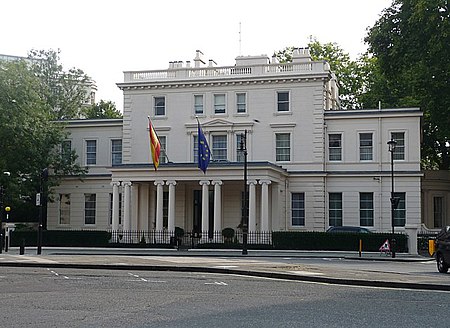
pixel 220 283
pixel 225 266
pixel 307 273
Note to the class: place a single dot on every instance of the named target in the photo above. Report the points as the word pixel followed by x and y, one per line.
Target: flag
pixel 203 150
pixel 155 146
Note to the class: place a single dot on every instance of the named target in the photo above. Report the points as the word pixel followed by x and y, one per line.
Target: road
pixel 46 297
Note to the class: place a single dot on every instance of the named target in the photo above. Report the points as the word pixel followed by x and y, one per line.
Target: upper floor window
pixel 66 150
pixel 198 104
pixel 298 208
pixel 89 208
pixel 283 101
pixel 334 147
pixel 335 209
pixel 399 152
pixel 219 147
pixel 91 152
pixel 365 147
pixel 239 152
pixel 195 148
pixel 241 103
pixel 219 104
pixel 366 209
pixel 283 147
pixel 163 153
pixel 159 106
pixel 116 151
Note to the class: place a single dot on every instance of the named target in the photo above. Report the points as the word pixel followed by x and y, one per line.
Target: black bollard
pixel 6 243
pixel 22 247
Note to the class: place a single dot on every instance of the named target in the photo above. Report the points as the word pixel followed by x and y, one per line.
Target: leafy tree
pixel 411 42
pixel 29 140
pixel 66 92
pixel 102 109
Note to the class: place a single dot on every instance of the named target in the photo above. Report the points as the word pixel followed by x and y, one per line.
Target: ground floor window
pixel 366 209
pixel 298 209
pixel 335 209
pixel 438 213
pixel 89 208
pixel 400 211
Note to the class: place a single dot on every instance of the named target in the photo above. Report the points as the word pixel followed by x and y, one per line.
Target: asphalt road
pixel 61 297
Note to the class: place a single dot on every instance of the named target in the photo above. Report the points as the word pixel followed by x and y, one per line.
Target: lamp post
pixel 2 193
pixel 243 148
pixel 39 202
pixel 391 144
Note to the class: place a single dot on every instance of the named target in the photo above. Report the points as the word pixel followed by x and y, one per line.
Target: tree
pixel 66 92
pixel 29 140
pixel 102 109
pixel 411 42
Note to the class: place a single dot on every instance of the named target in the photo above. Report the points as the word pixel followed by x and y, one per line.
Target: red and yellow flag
pixel 155 146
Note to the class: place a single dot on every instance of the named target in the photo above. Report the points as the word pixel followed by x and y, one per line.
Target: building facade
pixel 311 165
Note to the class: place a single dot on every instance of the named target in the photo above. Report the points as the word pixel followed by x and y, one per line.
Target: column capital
pixel 158 182
pixel 217 182
pixel 204 182
pixel 115 183
pixel 126 183
pixel 252 182
pixel 267 182
pixel 171 182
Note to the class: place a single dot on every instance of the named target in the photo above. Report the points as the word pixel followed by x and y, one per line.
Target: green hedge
pixel 62 238
pixel 371 242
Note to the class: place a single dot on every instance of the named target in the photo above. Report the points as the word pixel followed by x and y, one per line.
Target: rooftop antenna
pixel 240 40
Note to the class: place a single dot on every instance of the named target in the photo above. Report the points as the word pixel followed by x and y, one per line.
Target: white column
pixel 115 206
pixel 205 207
pixel 171 214
pixel 126 206
pixel 252 205
pixel 217 205
pixel 134 207
pixel 265 204
pixel 159 205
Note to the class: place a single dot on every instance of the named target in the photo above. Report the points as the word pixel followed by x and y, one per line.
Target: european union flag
pixel 204 153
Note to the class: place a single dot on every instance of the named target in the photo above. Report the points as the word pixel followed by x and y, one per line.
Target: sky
pixel 106 38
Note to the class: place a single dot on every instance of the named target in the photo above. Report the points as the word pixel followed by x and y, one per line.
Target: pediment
pixel 218 122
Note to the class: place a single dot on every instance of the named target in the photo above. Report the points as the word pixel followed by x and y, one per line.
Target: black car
pixel 442 246
pixel 348 229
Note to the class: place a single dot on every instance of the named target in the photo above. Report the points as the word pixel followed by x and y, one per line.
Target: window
pixel 66 151
pixel 219 104
pixel 198 104
pixel 400 211
pixel 160 106
pixel 163 153
pixel 283 101
pixel 335 147
pixel 64 208
pixel 283 147
pixel 298 209
pixel 366 209
pixel 219 147
pixel 399 152
pixel 89 208
pixel 91 152
pixel 111 208
pixel 335 209
pixel 116 152
pixel 239 152
pixel 195 148
pixel 438 214
pixel 365 147
pixel 241 103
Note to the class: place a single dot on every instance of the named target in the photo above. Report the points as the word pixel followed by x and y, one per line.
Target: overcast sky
pixel 105 38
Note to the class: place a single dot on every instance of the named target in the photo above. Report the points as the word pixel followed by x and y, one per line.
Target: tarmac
pixel 344 268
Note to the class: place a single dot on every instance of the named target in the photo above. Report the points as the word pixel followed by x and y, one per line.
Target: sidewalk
pixel 347 268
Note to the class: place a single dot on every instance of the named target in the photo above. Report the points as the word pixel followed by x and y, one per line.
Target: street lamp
pixel 39 202
pixel 243 148
pixel 2 193
pixel 394 201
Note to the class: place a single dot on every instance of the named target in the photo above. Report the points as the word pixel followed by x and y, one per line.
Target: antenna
pixel 240 40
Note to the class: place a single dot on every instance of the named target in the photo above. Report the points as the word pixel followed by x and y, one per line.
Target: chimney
pixel 212 63
pixel 301 55
pixel 198 58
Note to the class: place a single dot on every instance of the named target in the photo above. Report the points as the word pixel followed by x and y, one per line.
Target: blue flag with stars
pixel 204 153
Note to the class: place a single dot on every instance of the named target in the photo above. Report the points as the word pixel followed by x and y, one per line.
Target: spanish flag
pixel 155 146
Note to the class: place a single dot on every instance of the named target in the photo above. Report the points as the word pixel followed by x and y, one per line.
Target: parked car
pixel 349 229
pixel 442 247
